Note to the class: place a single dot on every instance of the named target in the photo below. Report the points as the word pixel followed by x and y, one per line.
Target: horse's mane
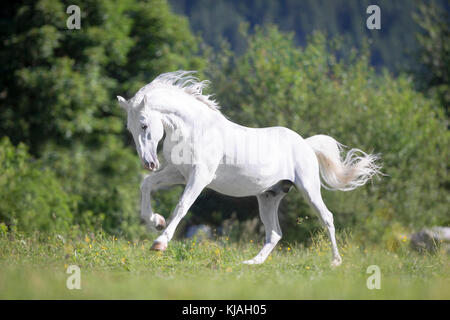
pixel 179 80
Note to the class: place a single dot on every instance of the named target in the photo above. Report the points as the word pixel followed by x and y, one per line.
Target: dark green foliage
pixel 106 182
pixel 308 90
pixel 58 90
pixel 433 72
pixel 390 47
pixel 31 197
pixel 59 87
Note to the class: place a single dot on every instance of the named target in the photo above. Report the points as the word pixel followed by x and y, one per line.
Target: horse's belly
pixel 242 182
pixel 237 188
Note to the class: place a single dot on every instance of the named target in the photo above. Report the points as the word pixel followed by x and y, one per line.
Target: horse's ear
pixel 123 103
pixel 143 103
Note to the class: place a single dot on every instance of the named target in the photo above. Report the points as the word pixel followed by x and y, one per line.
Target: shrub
pixel 311 91
pixel 31 198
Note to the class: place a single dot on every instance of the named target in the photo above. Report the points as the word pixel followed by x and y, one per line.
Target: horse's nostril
pixel 152 165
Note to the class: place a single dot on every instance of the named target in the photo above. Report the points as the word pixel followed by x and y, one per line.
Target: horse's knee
pixel 325 216
pixel 181 208
pixel 146 184
pixel 328 219
pixel 274 237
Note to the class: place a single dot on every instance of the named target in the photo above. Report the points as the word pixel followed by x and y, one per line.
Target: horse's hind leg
pixel 268 211
pixel 308 181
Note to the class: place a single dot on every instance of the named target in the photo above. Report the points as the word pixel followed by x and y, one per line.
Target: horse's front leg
pixel 198 180
pixel 168 176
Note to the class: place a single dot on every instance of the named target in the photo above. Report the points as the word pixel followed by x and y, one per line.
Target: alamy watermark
pixel 74 20
pixel 374 20
pixel 74 280
pixel 374 280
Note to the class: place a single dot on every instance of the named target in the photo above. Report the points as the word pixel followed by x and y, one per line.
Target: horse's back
pixel 255 159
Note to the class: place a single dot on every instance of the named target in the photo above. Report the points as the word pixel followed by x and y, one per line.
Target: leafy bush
pixel 311 91
pixel 58 97
pixel 432 73
pixel 106 182
pixel 60 85
pixel 31 198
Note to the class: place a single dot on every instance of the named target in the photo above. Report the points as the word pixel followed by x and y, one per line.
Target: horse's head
pixel 147 129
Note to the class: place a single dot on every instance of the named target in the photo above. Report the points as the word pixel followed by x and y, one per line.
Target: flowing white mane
pixel 179 80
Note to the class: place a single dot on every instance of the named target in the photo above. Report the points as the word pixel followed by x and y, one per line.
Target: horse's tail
pixel 340 173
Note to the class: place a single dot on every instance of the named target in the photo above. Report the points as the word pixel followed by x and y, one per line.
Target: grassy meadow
pixel 33 267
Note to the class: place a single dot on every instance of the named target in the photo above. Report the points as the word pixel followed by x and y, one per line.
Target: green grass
pixel 34 267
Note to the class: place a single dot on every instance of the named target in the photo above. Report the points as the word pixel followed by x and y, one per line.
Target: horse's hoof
pixel 160 222
pixel 253 261
pixel 158 246
pixel 336 262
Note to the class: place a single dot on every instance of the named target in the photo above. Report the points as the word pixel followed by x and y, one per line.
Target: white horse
pixel 203 149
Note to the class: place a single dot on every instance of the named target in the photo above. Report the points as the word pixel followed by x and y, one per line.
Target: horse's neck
pixel 188 120
pixel 175 126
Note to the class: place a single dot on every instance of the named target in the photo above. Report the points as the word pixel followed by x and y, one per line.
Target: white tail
pixel 342 174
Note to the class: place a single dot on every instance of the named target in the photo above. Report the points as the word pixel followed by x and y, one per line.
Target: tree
pixel 310 90
pixel 432 71
pixel 59 85
pixel 390 47
pixel 59 88
pixel 31 198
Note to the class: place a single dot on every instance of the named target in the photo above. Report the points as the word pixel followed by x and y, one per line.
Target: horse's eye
pixel 144 127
